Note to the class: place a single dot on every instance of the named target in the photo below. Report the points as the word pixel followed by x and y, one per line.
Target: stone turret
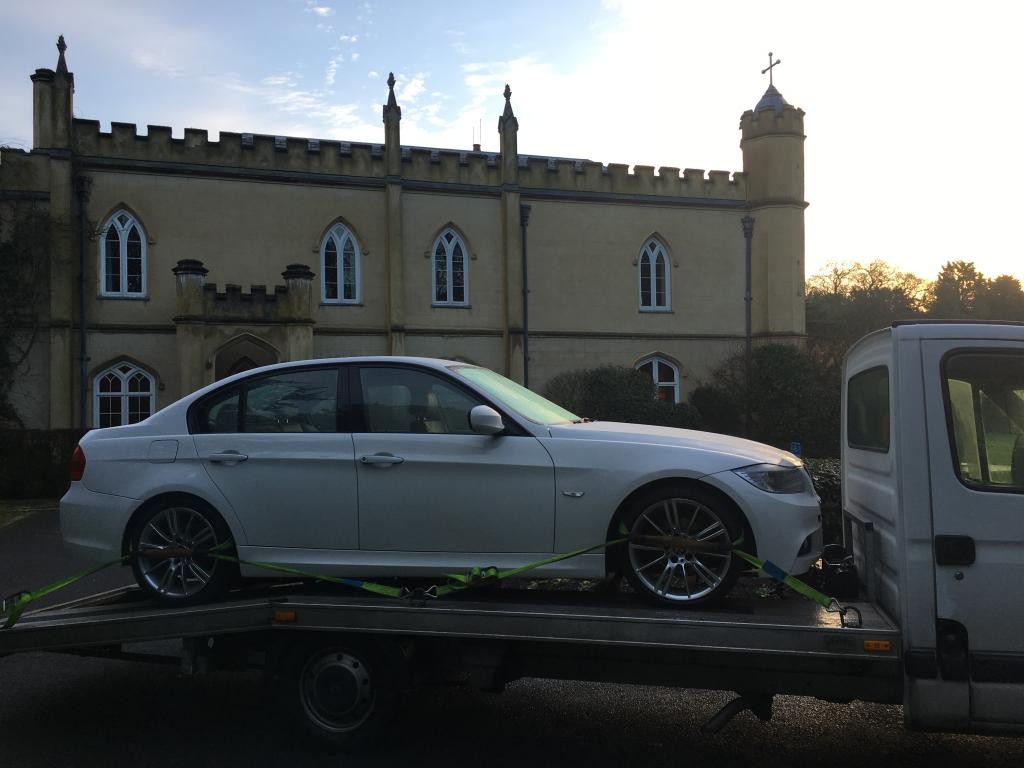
pixel 52 98
pixel 392 133
pixel 773 162
pixel 508 127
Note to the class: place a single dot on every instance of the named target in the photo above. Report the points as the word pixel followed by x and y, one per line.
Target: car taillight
pixel 77 468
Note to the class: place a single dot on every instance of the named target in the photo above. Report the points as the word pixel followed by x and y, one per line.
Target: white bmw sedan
pixel 412 467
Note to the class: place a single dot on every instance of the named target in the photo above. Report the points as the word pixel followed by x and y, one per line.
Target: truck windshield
pixel 516 397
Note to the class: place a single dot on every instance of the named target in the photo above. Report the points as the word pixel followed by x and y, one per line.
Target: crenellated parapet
pixel 785 120
pixel 234 150
pixel 288 154
pixel 617 178
pixel 200 301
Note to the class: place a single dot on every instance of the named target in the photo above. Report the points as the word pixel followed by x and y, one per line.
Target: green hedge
pixel 34 462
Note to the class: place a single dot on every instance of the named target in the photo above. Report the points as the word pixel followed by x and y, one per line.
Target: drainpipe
pixel 748 235
pixel 524 221
pixel 82 184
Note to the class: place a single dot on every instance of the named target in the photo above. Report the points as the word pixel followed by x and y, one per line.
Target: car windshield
pixel 518 398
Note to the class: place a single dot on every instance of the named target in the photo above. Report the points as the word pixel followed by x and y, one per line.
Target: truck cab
pixel 933 491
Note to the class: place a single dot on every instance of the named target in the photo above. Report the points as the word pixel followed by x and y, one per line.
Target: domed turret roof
pixel 772 99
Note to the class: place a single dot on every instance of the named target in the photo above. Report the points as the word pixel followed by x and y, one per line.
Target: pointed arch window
pixel 340 267
pixel 450 274
pixel 122 394
pixel 655 288
pixel 665 376
pixel 122 257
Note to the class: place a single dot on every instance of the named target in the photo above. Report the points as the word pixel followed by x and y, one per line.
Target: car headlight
pixel 776 478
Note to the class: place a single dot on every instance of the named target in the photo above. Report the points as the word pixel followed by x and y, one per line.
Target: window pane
pixel 110 384
pixel 139 383
pixel 867 410
pixel 330 270
pixel 110 411
pixel 134 264
pixel 407 400
pixel 985 408
pixel 645 280
pixel 665 374
pixel 440 274
pixel 305 401
pixel 458 275
pixel 349 269
pixel 112 262
pixel 138 408
pixel 659 282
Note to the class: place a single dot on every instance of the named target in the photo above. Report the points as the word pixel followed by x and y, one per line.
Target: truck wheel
pixel 344 691
pixel 680 546
pixel 180 525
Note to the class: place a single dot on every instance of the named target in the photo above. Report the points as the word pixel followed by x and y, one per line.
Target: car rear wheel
pixel 171 544
pixel 680 546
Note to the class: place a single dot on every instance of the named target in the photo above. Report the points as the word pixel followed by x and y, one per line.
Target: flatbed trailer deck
pixel 756 646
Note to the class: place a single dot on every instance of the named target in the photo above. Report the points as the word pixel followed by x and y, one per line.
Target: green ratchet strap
pixel 12 607
pixel 830 604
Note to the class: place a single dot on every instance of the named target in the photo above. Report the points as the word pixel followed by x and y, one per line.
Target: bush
pixel 827 479
pixel 793 397
pixel 34 462
pixel 617 393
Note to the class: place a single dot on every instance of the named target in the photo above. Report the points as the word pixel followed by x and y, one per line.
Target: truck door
pixel 974 396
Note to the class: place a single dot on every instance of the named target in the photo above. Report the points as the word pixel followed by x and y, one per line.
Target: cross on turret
pixel 770 67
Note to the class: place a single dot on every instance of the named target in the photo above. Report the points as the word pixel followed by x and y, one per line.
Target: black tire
pixel 180 523
pixel 680 547
pixel 344 692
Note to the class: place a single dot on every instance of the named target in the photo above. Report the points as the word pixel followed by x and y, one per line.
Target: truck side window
pixel 867 410
pixel 984 394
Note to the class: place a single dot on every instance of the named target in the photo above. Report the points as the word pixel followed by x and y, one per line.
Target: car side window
pixel 410 400
pixel 300 401
pixel 984 393
pixel 219 414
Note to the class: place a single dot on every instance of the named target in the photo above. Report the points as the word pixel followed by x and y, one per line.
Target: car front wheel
pixel 171 545
pixel 680 546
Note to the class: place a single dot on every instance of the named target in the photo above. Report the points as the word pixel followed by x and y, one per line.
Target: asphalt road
pixel 58 710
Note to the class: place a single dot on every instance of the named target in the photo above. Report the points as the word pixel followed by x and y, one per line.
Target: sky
pixel 913 109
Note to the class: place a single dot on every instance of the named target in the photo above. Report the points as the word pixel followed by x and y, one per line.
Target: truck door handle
pixel 381 459
pixel 227 457
pixel 954 550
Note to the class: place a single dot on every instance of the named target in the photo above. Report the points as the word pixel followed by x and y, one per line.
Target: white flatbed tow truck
pixel 933 499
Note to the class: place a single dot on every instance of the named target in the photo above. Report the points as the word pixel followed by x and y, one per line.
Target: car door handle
pixel 381 459
pixel 227 456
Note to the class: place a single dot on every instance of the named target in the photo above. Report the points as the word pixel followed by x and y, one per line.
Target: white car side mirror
pixel 484 420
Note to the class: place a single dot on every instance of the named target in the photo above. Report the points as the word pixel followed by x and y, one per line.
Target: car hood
pixel 734 450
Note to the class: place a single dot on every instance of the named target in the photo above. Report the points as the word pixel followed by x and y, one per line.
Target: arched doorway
pixel 242 353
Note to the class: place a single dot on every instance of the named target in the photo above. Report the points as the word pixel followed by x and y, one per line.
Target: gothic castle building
pixel 182 260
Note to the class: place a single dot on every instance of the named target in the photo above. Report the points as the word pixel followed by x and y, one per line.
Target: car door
pixel 428 483
pixel 975 399
pixel 273 447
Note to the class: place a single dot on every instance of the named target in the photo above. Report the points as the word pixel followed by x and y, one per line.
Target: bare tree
pixel 26 238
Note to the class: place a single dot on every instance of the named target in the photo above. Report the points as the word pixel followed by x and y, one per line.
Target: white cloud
pixel 288 79
pixel 373 74
pixel 349 38
pixel 408 90
pixel 332 69
pixel 355 56
pixel 323 11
